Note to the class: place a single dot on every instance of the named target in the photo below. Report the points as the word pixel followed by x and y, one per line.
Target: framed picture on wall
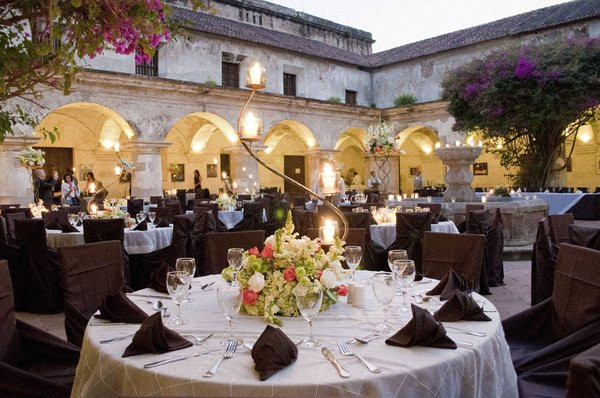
pixel 414 170
pixel 83 170
pixel 480 169
pixel 211 170
pixel 177 172
pixel 597 164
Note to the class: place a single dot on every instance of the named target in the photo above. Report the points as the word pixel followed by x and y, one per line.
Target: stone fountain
pixel 459 175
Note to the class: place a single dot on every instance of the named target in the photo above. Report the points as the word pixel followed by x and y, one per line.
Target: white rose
pixel 271 241
pixel 328 279
pixel 257 282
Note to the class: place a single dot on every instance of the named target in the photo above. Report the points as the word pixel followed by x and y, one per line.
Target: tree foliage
pixel 42 42
pixel 404 100
pixel 528 99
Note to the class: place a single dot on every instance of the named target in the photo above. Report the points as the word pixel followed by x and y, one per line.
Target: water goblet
pixel 384 290
pixel 308 300
pixel 140 217
pixel 82 215
pixel 235 255
pixel 178 283
pixel 407 277
pixel 229 299
pixel 151 217
pixel 394 255
pixel 73 219
pixel 353 256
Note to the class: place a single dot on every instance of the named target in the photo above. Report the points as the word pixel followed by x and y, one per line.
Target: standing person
pixel 356 180
pixel 43 187
pixel 90 179
pixel 73 177
pixel 418 182
pixel 69 190
pixel 197 181
pixel 227 184
pixel 373 182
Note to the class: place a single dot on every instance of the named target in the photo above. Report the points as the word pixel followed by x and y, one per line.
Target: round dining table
pixel 478 367
pixel 136 242
pixel 384 234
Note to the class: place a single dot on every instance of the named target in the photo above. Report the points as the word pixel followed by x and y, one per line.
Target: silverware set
pixel 370 337
pixel 229 353
pixel 345 350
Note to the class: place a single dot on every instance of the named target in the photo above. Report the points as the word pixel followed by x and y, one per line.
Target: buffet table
pixel 482 370
pixel 136 242
pixel 385 234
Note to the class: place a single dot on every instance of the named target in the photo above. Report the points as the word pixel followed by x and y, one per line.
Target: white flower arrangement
pixel 381 140
pixel 31 158
pixel 226 202
pixel 384 215
pixel 37 209
pixel 287 263
pixel 110 212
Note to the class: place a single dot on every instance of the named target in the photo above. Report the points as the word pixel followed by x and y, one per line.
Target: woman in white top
pixel 70 191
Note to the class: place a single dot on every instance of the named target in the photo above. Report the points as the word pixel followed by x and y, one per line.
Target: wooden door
pixel 59 159
pixel 293 166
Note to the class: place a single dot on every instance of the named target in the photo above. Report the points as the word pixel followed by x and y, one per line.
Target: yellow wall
pixel 291 145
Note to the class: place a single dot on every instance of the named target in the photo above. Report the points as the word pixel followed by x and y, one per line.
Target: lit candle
pixel 457 143
pixel 235 185
pixel 438 144
pixel 328 237
pixel 92 188
pixel 404 196
pixel 399 198
pixel 243 168
pixel 491 191
pixel 215 161
pixel 117 146
pixel 447 145
pixel 416 195
pixel 390 197
pixel 484 199
pixel 117 170
pixel 255 75
pixel 328 179
pixel 93 209
pixel 250 127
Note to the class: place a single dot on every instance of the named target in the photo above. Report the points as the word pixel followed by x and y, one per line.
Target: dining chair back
pixel 580 235
pixel 410 228
pixel 216 244
pixel 559 228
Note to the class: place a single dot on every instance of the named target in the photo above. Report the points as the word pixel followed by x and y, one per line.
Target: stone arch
pixel 424 137
pixel 285 127
pixel 351 148
pixel 417 143
pixel 196 129
pixel 354 136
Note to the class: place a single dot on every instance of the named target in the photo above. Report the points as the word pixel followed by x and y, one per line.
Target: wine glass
pixel 235 255
pixel 73 219
pixel 229 299
pixel 152 217
pixel 140 217
pixel 308 300
pixel 383 284
pixel 353 256
pixel 82 215
pixel 407 276
pixel 178 283
pixel 394 255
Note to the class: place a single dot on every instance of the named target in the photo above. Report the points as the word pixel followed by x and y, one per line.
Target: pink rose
pixel 267 252
pixel 289 274
pixel 249 297
pixel 253 251
pixel 319 273
pixel 342 290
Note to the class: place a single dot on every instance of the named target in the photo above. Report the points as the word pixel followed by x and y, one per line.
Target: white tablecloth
pixel 385 234
pixel 136 242
pixel 483 370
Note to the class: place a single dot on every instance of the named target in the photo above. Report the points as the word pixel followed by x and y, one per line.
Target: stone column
pixel 313 158
pixel 371 164
pixel 243 168
pixel 15 179
pixel 459 175
pixel 147 177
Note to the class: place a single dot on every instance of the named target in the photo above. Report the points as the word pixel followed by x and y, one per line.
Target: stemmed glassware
pixel 82 215
pixel 151 217
pixel 140 217
pixel 186 264
pixel 353 256
pixel 308 300
pixel 406 272
pixel 73 219
pixel 178 283
pixel 394 255
pixel 235 255
pixel 383 284
pixel 229 299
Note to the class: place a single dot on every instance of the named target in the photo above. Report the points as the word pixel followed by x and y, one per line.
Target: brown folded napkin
pixel 67 227
pixel 143 226
pixel 272 352
pixel 53 225
pixel 460 307
pixel 79 223
pixel 158 280
pixel 422 330
pixel 450 283
pixel 154 337
pixel 162 223
pixel 118 308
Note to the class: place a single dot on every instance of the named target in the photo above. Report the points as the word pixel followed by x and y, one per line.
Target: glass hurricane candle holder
pixel 256 77
pixel 328 231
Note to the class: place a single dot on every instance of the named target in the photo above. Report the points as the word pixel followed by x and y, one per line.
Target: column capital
pixel 145 146
pixel 18 142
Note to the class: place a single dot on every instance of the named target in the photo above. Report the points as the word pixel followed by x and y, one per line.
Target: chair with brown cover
pixel 216 244
pixel 3 232
pixel 36 277
pixel 10 224
pixel 583 379
pixel 469 207
pixel 175 206
pixel 374 256
pixel 580 235
pixel 252 219
pixel 105 230
pixel 410 228
pixel 71 209
pixel 90 272
pixel 5 206
pixel 462 252
pixel 543 263
pixel 481 222
pixel 214 207
pixel 559 228
pixel 135 206
pixel 53 219
pixel 162 214
pixel 304 219
pixel 24 210
pixel 155 200
pixel 544 338
pixel 434 208
pixel 356 237
pixel 33 363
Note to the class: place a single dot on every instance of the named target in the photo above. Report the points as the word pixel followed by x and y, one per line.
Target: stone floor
pixel 509 299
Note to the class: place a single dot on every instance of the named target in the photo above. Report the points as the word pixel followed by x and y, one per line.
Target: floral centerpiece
pixel 37 209
pixel 268 278
pixel 380 139
pixel 116 212
pixel 384 215
pixel 226 202
pixel 31 158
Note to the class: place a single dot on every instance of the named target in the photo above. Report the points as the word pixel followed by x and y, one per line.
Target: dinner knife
pixel 154 296
pixel 331 358
pixel 179 358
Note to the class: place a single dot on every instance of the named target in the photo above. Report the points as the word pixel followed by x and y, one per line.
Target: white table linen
pixel 483 370
pixel 136 242
pixel 384 234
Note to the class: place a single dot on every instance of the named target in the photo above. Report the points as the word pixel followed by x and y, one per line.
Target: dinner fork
pixel 345 350
pixel 229 353
pixel 370 337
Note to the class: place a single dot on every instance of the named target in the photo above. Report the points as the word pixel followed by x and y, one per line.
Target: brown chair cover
pixel 543 263
pixel 584 236
pixel 462 226
pixel 559 228
pixel 33 363
pixel 175 206
pixel 188 230
pixel 215 245
pixel 163 213
pixel 252 219
pixel 36 278
pixel 24 210
pixel 10 224
pixel 3 232
pixel 583 379
pixel 410 228
pixel 214 207
pixel 5 206
pixel 135 206
pixel 434 208
pixel 462 252
pixel 104 230
pixel 155 200
pixel 495 249
pixel 90 273
pixel 71 209
pixel 304 220
pixel 482 222
pixel 55 217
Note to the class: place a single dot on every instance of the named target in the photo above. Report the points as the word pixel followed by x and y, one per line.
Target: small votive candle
pixel 457 143
pixel 404 196
pixel 358 299
pixel 416 195
pixel 93 209
pixel 483 199
pixel 453 199
pixel 391 197
pixel 399 198
pixel 429 199
pixel 328 232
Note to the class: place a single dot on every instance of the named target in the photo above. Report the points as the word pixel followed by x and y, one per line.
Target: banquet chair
pixel 252 219
pixel 3 207
pixel 71 209
pixel 135 206
pixel 105 230
pixel 543 262
pixel 10 224
pixel 544 338
pixel 373 254
pixel 304 219
pixel 90 272
pixel 155 200
pixel 214 207
pixel 462 252
pixel 434 208
pixel 584 236
pixel 175 206
pixel 356 237
pixel 24 210
pixel 162 213
pixel 559 228
pixel 35 277
pixel 53 219
pixel 33 363
pixel 410 228
pixel 481 222
pixel 462 226
pixel 583 378
pixel 3 232
pixel 215 245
